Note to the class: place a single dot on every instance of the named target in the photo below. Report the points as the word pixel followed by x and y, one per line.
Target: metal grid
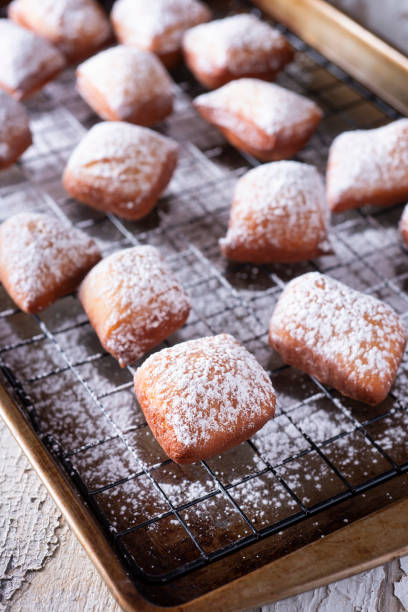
pixel 166 520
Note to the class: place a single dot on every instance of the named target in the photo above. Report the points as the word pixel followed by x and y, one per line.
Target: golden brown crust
pixel 368 167
pixel 278 214
pixel 15 133
pixel 283 148
pixel 134 197
pixel 245 131
pixel 218 78
pixel 133 302
pixel 235 47
pixel 147 114
pixel 17 147
pixel 41 260
pixel 196 412
pixel 28 60
pixel 30 86
pixel 167 439
pixel 126 84
pixel 157 26
pixel 345 339
pixel 76 47
pixel 87 192
pixel 403 226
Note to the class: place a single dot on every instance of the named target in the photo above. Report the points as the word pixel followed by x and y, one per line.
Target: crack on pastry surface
pixel 121 168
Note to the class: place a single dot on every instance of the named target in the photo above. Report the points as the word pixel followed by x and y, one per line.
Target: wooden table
pixel 44 568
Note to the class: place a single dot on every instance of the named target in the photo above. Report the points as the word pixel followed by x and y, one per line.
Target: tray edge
pixel 380 67
pixel 370 541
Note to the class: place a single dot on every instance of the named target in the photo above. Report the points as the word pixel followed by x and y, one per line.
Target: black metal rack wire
pixel 165 520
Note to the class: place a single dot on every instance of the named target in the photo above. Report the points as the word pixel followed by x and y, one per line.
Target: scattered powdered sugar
pixel 38 252
pixel 264 500
pixel 321 420
pixel 115 152
pixel 14 123
pixel 70 19
pixel 130 503
pixel 207 386
pixel 184 483
pixel 279 440
pixel 240 43
pixel 25 55
pixel 215 523
pixel 356 458
pixel 363 161
pixel 144 21
pixel 281 206
pixel 270 107
pixel 139 293
pixel 391 434
pixel 127 77
pixel 328 323
pixel 311 479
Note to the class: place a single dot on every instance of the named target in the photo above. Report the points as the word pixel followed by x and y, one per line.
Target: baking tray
pixel 365 56
pixel 320 492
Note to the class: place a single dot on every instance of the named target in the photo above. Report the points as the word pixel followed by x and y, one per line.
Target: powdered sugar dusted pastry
pixel 133 302
pixel 157 25
pixel 344 338
pixel 278 214
pixel 404 225
pixel 27 61
pixel 121 168
pixel 15 134
pixel 77 28
pixel 41 259
pixel 368 167
pixel 234 47
pixel 126 84
pixel 204 396
pixel 263 119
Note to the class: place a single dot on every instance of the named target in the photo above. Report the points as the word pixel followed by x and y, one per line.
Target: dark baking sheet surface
pixel 323 461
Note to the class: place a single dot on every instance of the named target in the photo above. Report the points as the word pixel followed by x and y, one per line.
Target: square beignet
pixel 157 25
pixel 28 61
pixel 126 84
pixel 235 47
pixel 133 302
pixel 15 133
pixel 204 396
pixel 263 119
pixel 278 214
pixel 344 338
pixel 121 168
pixel 77 28
pixel 368 167
pixel 41 259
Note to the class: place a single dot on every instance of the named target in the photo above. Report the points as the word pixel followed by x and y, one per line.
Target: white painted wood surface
pixel 44 568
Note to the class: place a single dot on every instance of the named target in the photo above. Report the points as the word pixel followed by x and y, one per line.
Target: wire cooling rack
pixel 165 520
